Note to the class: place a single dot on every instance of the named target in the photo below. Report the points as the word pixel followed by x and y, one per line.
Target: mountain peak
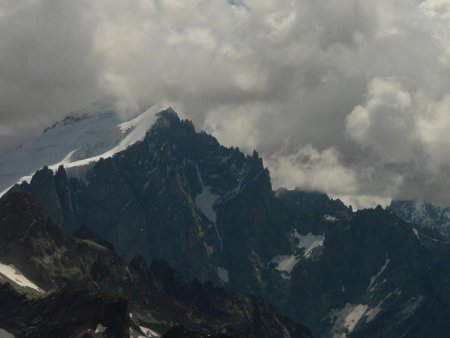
pixel 169 114
pixel 165 120
pixel 76 141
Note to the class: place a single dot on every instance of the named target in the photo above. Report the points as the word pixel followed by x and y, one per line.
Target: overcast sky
pixel 349 97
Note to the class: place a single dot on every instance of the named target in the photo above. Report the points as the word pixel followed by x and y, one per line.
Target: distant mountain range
pixel 176 195
pixel 430 218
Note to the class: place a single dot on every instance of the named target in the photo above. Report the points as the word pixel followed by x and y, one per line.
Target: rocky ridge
pixel 211 213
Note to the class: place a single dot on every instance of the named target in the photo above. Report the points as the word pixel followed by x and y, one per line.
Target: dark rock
pixel 87 234
pixel 63 313
pixel 81 274
pixel 210 213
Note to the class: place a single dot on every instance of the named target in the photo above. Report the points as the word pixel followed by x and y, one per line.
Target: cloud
pixel 311 169
pixel 385 122
pixel 405 133
pixel 350 89
pixel 46 65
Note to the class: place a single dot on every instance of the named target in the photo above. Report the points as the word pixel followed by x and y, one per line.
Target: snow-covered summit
pixel 79 139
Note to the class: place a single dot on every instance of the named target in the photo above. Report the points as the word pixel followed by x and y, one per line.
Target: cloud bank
pixel 348 97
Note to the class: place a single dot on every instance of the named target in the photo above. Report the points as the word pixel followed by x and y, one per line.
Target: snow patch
pixel 373 279
pixel 5 334
pixel 78 140
pixel 223 274
pixel 205 201
pixel 372 313
pixel 135 334
pixel 100 328
pixel 285 263
pixel 133 131
pixel 11 273
pixel 416 233
pixel 346 319
pixel 148 333
pixel 309 242
pixel 329 218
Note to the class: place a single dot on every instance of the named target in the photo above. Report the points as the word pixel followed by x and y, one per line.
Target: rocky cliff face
pixel 376 275
pixel 211 213
pixel 80 286
pixel 180 196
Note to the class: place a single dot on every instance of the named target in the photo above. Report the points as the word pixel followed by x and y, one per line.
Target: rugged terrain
pixel 78 287
pixel 382 276
pixel 211 213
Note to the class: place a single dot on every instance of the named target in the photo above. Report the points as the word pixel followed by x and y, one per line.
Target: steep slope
pixel 81 284
pixel 373 276
pixel 177 195
pixel 81 138
pixel 211 213
pixel 432 219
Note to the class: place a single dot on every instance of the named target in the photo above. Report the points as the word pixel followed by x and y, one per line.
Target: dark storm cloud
pixel 345 96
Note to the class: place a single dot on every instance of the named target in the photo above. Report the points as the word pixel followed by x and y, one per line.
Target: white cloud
pixel 311 169
pixel 406 133
pixel 364 83
pixel 385 122
pixel 436 8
